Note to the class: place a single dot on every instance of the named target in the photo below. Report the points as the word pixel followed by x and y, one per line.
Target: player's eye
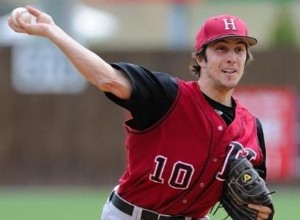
pixel 239 49
pixel 221 48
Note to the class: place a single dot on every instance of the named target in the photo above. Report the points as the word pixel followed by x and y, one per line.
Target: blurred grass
pixel 70 203
pixel 51 203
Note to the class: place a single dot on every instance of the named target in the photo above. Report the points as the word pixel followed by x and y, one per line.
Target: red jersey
pixel 176 166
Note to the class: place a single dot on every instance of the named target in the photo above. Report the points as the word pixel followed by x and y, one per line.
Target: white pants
pixel 110 212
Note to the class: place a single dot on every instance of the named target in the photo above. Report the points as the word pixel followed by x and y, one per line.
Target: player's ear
pixel 200 57
pixel 201 61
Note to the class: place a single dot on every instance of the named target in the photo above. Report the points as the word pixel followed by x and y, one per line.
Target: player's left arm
pixel 262 169
pixel 264 212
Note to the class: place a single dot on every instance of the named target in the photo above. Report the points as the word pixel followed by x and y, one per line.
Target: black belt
pixel 146 214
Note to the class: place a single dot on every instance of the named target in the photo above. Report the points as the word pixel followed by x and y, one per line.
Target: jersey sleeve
pixel 152 96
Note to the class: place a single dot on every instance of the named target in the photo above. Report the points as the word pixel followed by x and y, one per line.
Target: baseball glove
pixel 244 186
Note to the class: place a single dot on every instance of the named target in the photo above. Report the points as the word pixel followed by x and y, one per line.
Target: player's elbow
pixel 121 89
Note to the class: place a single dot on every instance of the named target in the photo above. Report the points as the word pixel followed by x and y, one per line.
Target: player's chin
pixel 231 82
pixel 230 85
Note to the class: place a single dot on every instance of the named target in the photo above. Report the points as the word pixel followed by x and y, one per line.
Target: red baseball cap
pixel 223 26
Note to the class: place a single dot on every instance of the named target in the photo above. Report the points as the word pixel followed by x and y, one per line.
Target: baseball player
pixel 180 132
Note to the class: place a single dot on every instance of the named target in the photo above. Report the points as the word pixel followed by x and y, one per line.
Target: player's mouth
pixel 229 71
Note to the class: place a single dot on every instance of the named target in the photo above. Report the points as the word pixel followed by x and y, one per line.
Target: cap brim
pixel 251 41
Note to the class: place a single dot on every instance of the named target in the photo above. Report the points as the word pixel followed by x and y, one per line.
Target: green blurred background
pixel 86 203
pixel 61 140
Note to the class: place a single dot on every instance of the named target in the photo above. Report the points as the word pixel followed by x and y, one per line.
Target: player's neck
pixel 219 95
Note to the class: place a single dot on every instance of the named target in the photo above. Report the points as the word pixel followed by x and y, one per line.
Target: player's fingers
pixel 33 11
pixel 263 211
pixel 260 208
pixel 14 27
pixel 22 27
pixel 254 206
pixel 262 215
pixel 41 17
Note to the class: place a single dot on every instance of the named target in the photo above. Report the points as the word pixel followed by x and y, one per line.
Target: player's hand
pixel 264 212
pixel 40 28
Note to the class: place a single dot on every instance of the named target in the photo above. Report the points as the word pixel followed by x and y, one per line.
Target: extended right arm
pixel 89 64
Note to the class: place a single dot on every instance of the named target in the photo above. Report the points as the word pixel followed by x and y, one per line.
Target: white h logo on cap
pixel 229 24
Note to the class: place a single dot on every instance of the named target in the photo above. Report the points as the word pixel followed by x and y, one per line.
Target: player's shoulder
pixel 132 68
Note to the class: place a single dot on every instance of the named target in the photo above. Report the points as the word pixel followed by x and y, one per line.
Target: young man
pixel 180 132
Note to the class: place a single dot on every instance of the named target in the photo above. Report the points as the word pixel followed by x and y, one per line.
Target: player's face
pixel 225 63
